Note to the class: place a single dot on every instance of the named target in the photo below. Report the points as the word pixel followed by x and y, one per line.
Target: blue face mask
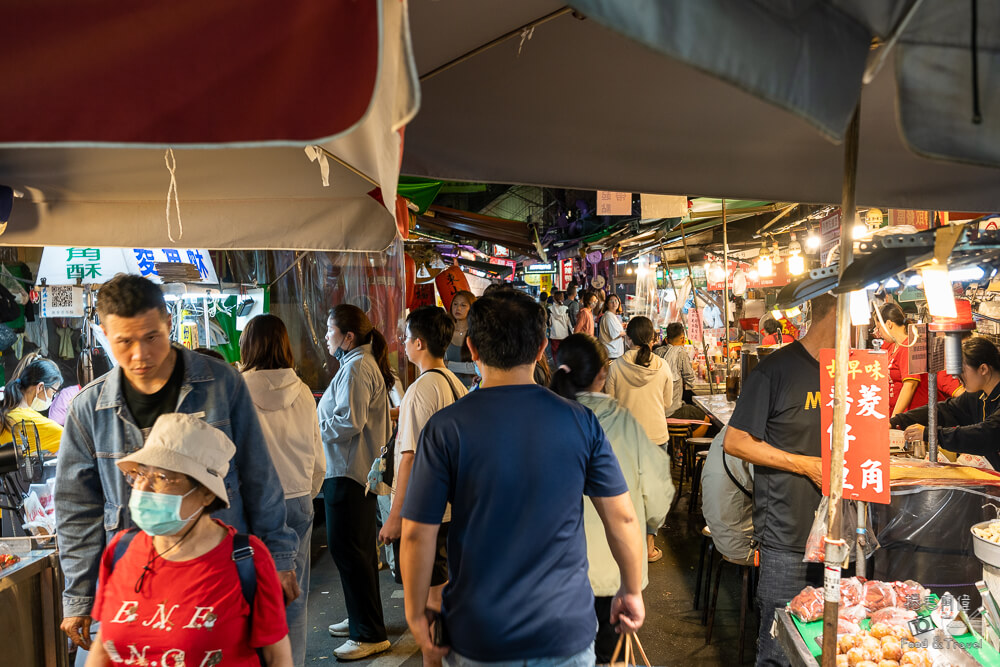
pixel 158 513
pixel 338 354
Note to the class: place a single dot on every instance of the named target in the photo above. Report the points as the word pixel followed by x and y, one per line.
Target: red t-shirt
pixel 899 370
pixel 947 385
pixel 777 339
pixel 190 612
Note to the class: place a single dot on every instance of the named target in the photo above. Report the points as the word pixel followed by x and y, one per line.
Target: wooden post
pixel 842 349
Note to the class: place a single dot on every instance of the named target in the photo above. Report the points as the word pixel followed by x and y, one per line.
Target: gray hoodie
pixel 287 415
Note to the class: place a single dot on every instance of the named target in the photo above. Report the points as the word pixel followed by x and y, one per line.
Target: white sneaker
pixel 352 650
pixel 342 629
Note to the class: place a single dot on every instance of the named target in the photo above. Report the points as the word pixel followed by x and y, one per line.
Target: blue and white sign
pixel 62 265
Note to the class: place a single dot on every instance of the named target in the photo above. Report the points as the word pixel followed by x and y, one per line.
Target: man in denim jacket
pixel 111 417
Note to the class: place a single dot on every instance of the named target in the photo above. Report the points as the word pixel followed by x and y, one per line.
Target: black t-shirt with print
pixel 145 408
pixel 780 404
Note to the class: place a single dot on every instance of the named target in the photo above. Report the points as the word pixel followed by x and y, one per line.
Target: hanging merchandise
pixel 19 346
pixel 37 332
pixel 450 282
pixel 65 342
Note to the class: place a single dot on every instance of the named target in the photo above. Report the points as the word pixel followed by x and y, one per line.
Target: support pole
pixel 932 440
pixel 834 540
pixel 860 563
pixel 694 296
pixel 725 284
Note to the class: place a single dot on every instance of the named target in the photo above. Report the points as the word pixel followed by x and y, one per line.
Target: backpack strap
pixel 122 545
pixel 446 379
pixel 243 558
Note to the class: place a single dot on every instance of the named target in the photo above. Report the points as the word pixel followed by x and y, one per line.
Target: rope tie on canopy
pixel 171 162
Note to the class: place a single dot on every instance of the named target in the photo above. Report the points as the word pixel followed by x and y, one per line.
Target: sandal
pixel 656 555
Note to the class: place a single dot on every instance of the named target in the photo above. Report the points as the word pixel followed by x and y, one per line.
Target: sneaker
pixel 352 650
pixel 342 629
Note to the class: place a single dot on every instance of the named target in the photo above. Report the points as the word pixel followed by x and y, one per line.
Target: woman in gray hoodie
pixel 288 419
pixel 580 376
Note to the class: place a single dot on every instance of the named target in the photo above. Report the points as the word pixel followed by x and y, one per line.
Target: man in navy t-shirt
pixel 517 554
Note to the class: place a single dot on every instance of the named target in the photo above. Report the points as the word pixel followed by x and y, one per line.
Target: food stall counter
pixel 716 406
pixel 31 611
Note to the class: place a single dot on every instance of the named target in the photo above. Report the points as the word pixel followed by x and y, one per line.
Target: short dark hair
pixel 264 345
pixel 127 295
pixel 977 351
pixel 507 328
pixel 209 352
pixel 771 326
pixel 432 325
pixel 822 305
pixel 674 329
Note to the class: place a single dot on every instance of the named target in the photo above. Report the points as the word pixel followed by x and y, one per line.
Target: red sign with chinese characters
pixel 866 441
pixel 565 273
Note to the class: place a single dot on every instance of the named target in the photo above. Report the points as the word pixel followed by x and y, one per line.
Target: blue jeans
pixel 783 575
pixel 584 658
pixel 299 513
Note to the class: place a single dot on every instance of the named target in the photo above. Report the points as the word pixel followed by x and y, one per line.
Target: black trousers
pixel 607 638
pixel 351 534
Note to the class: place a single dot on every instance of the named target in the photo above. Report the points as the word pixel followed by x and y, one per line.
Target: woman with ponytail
pixel 580 375
pixel 26 396
pixel 642 381
pixel 906 391
pixel 354 424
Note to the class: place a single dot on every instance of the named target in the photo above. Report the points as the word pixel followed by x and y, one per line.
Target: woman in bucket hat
pixel 172 593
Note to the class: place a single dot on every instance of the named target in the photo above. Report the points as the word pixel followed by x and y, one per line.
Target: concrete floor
pixel 672 635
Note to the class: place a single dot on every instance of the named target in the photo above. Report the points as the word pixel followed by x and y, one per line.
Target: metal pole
pixel 834 541
pixel 725 285
pixel 860 563
pixel 932 443
pixel 694 295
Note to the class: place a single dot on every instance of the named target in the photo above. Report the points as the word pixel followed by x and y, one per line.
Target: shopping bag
pixel 627 639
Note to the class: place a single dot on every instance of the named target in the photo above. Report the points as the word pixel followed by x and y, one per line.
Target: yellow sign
pixel 873 218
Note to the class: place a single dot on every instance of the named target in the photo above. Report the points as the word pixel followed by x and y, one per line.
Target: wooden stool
pixel 748 571
pixel 678 434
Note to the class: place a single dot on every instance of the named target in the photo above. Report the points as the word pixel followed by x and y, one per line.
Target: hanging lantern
pixel 450 282
pixel 410 269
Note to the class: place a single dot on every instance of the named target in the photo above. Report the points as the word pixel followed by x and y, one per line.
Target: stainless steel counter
pixel 717 407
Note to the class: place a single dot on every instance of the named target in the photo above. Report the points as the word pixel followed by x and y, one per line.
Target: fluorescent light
pixel 860 312
pixel 968 273
pixel 937 288
pixel 891 283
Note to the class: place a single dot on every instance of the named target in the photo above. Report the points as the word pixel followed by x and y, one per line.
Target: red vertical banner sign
pixel 565 273
pixel 866 442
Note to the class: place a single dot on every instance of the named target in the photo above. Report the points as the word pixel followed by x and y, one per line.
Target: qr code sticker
pixel 61 297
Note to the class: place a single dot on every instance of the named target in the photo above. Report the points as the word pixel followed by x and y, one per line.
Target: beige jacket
pixel 645 391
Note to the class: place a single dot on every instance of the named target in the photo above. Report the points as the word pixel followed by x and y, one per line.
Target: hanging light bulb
pixel 858 231
pixel 796 262
pixel 765 267
pixel 813 241
pixel 860 311
pixel 939 292
pixel 628 270
pixel 776 253
pixel 718 273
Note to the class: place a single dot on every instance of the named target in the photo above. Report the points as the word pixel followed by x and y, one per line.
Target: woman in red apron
pixel 906 391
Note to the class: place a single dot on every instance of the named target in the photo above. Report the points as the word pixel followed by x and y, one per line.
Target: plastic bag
pixel 879 595
pixel 893 616
pixel 816 546
pixel 910 594
pixel 851 591
pixel 855 614
pixel 808 604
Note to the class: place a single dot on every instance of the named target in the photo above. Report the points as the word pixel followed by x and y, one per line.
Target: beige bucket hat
pixel 186 444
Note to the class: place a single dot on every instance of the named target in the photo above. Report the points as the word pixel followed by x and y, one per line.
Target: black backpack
pixel 242 556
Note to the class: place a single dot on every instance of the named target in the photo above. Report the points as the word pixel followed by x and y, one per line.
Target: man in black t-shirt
pixel 776 427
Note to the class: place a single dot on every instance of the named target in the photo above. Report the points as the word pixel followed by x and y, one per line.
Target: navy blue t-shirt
pixel 515 462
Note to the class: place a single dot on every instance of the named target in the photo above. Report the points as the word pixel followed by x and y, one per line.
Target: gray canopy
pixel 712 97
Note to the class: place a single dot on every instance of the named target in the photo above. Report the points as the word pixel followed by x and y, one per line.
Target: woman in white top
pixel 612 334
pixel 288 419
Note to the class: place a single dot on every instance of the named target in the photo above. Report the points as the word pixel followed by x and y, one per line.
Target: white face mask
pixel 40 402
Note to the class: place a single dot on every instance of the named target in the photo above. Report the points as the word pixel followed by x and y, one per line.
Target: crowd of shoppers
pixel 174 464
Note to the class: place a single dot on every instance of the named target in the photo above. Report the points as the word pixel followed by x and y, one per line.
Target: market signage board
pixel 505 262
pixel 866 440
pixel 662 206
pixel 614 203
pixel 918 351
pixel 565 273
pixel 919 219
pixel 60 301
pixel 62 265
pixel 539 268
